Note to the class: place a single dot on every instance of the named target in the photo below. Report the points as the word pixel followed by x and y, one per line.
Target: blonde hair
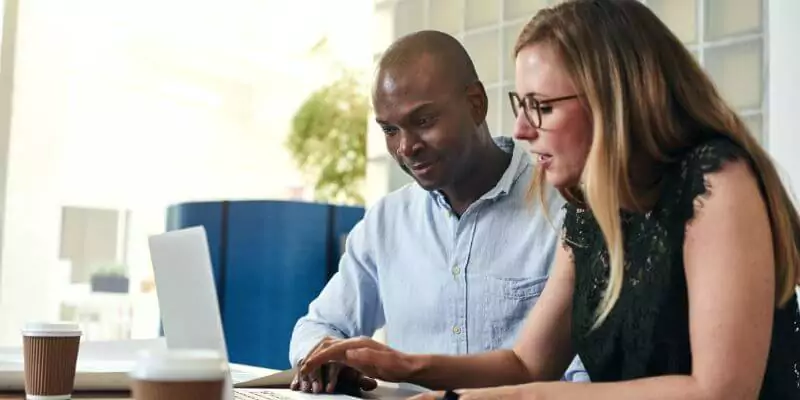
pixel 647 94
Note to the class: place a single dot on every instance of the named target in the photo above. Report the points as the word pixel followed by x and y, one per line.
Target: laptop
pixel 190 313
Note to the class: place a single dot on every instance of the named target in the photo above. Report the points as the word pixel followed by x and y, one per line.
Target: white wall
pixel 96 122
pixel 783 92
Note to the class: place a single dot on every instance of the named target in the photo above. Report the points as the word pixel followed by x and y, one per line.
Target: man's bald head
pixel 430 105
pixel 443 52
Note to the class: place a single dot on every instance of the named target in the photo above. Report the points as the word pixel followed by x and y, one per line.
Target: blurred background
pixel 111 111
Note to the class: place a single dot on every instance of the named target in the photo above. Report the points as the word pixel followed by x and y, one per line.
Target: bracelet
pixel 450 395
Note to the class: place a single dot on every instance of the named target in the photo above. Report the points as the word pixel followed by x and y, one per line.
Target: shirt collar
pixel 519 163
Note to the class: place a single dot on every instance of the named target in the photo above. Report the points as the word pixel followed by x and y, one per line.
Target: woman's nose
pixel 523 129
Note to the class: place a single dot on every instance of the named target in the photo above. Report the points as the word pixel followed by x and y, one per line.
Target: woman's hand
pixel 515 392
pixel 364 355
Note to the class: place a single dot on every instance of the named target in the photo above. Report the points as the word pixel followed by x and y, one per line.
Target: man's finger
pixel 336 352
pixel 312 381
pixel 366 383
pixel 332 377
pixel 305 384
pixel 324 342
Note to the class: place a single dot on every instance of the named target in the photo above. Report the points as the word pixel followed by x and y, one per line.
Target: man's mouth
pixel 421 168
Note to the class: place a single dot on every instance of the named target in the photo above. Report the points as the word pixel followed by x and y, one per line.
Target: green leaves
pixel 328 140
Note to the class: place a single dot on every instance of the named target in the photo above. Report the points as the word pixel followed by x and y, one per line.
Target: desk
pixel 384 390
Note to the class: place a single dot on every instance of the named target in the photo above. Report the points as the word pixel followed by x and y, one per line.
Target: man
pixel 452 263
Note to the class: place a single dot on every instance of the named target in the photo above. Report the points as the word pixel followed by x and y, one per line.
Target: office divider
pixel 270 260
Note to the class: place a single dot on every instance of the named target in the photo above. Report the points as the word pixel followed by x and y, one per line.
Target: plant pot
pixel 110 284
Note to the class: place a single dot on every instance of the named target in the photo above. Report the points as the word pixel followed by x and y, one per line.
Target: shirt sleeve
pixel 348 306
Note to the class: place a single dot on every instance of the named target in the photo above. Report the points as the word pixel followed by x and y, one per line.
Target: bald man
pixel 451 263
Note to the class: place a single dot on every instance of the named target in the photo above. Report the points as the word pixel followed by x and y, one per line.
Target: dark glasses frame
pixel 528 102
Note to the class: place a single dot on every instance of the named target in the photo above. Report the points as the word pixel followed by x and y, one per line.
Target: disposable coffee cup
pixel 51 355
pixel 179 375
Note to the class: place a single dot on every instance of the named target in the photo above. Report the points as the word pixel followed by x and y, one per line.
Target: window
pixel 481 13
pixel 727 37
pixel 93 241
pixel 485 52
pixel 447 15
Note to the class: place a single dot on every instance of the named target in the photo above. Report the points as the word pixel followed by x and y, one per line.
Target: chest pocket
pixel 507 303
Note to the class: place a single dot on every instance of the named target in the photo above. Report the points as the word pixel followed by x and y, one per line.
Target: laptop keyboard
pixel 265 395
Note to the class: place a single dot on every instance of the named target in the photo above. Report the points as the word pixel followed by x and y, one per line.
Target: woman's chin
pixel 558 181
pixel 553 180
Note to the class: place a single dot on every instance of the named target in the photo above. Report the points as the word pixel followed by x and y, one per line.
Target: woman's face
pixel 558 130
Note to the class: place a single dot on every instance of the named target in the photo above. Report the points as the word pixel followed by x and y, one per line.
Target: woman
pixel 677 274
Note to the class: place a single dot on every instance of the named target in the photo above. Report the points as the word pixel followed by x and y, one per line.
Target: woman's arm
pixel 542 351
pixel 729 269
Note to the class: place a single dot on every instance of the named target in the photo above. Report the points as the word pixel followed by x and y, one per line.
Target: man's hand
pixel 363 355
pixel 329 377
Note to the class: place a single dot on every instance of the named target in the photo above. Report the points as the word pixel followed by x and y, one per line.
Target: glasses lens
pixel 514 99
pixel 532 112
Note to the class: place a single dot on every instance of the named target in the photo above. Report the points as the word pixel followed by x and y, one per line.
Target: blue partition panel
pixel 345 218
pixel 276 266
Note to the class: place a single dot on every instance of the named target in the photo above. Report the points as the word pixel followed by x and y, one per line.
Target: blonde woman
pixel 677 273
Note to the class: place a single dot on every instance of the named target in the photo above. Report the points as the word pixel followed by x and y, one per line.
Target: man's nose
pixel 409 144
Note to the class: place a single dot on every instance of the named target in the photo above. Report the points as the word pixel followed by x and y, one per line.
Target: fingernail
pixel 331 387
pixel 316 386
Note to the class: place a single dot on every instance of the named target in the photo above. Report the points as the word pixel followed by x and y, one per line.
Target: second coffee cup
pixel 179 375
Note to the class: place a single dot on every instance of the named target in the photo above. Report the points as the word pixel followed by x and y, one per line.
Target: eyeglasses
pixel 533 107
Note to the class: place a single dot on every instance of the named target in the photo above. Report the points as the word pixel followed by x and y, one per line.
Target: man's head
pixel 430 104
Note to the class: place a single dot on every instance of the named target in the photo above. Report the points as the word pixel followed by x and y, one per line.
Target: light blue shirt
pixel 437 283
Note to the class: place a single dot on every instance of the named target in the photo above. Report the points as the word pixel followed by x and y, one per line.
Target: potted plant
pixel 110 279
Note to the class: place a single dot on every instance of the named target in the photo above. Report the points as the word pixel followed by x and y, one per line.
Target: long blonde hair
pixel 647 94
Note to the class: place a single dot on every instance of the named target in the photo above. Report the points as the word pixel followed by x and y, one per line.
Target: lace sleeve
pixel 706 158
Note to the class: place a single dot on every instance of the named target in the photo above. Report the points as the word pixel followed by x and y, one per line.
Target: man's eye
pixel 424 121
pixel 389 130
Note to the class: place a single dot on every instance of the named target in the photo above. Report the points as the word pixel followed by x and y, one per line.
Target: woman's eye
pixel 545 108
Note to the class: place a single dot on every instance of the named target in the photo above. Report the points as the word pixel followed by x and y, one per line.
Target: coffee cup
pixel 179 375
pixel 50 357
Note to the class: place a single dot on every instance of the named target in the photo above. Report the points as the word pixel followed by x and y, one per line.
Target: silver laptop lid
pixel 187 297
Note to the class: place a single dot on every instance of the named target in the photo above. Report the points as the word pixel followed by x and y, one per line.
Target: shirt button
pixel 457 330
pixel 456 270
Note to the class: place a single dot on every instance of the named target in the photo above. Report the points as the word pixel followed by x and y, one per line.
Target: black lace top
pixel 647 332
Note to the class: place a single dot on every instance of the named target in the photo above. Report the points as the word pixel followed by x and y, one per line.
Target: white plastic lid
pixel 179 365
pixel 50 329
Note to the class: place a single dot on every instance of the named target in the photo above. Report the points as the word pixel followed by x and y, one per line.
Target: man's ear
pixel 479 103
